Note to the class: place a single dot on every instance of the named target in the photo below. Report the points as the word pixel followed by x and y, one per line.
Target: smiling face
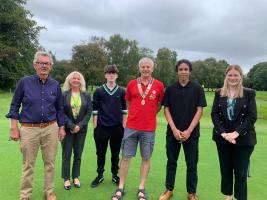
pixel 75 81
pixel 43 66
pixel 183 72
pixel 146 69
pixel 233 77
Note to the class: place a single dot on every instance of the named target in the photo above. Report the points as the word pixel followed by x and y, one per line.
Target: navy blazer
pixel 84 113
pixel 245 115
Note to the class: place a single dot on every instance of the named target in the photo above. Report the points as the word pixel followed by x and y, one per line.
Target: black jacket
pixel 84 113
pixel 245 115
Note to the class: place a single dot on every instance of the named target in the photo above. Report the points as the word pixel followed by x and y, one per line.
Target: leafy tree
pixel 118 50
pixel 146 52
pixel 199 71
pixel 61 70
pixel 209 73
pixel 18 41
pixel 131 63
pixel 257 77
pixel 165 62
pixel 125 54
pixel 90 60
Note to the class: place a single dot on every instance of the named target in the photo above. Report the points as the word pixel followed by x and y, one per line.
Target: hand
pixel 231 140
pixel 14 134
pixel 61 133
pixel 185 135
pixel 230 137
pixel 76 129
pixel 177 134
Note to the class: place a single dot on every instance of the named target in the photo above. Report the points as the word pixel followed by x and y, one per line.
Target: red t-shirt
pixel 143 117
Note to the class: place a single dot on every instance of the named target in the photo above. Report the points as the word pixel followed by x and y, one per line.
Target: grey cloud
pixel 233 30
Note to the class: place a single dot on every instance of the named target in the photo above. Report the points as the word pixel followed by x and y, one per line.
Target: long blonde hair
pixel 66 85
pixel 239 89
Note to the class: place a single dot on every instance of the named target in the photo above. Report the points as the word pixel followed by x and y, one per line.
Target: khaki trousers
pixel 31 138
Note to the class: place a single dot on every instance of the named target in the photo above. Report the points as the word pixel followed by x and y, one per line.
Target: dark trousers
pixel 191 157
pixel 234 161
pixel 73 142
pixel 104 135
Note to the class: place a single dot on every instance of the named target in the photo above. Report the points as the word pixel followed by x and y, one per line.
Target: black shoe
pixel 97 181
pixel 116 179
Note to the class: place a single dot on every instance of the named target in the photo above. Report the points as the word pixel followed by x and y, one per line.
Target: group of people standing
pixel 124 119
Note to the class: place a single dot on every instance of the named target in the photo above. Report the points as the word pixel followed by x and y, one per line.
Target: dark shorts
pixel 130 143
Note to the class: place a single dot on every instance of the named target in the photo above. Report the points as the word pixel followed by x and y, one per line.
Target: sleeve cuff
pixel 12 116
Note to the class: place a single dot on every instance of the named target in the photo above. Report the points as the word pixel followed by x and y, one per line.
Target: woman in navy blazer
pixel 77 110
pixel 234 114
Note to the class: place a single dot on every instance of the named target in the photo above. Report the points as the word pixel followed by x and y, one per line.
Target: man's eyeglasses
pixel 43 63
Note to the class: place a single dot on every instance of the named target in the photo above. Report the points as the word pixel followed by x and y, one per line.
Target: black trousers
pixel 190 148
pixel 104 135
pixel 75 143
pixel 234 161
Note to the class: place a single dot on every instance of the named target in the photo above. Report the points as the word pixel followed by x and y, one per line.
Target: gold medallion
pixel 143 102
pixel 144 94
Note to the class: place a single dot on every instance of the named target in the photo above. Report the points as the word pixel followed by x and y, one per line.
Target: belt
pixel 40 125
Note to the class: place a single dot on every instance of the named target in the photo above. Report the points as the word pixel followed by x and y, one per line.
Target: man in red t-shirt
pixel 143 96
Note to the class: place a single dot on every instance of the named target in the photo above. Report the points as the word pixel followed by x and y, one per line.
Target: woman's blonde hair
pixel 239 89
pixel 66 85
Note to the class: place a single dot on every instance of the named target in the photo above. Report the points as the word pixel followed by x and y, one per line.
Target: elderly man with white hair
pixel 143 97
pixel 42 123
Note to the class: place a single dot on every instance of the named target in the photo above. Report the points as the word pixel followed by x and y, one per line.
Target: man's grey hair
pixel 42 53
pixel 146 60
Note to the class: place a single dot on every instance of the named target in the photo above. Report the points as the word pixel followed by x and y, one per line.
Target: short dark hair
pixel 111 69
pixel 181 62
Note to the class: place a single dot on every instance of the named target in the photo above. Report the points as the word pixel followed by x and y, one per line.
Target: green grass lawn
pixel 208 168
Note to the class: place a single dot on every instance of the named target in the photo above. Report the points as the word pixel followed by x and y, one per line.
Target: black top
pixel 109 105
pixel 84 113
pixel 183 102
pixel 244 118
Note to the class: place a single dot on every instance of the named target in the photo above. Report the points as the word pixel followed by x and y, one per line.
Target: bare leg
pixel 125 163
pixel 228 197
pixel 144 170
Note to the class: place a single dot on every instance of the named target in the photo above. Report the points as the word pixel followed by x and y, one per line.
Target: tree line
pixel 19 41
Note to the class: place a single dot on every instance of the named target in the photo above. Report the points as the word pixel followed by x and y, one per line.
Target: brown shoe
pixel 192 196
pixel 166 195
pixel 51 196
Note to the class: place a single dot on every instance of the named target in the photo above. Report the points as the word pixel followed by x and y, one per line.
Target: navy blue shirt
pixel 41 102
pixel 109 105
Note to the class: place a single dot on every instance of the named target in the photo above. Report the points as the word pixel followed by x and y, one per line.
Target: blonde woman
pixel 234 114
pixel 77 112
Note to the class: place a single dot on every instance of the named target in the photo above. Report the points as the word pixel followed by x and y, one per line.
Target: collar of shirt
pixel 186 86
pixel 38 78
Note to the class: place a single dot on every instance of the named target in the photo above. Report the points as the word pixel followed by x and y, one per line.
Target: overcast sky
pixel 234 30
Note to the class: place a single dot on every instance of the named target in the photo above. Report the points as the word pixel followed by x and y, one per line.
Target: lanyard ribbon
pixel 144 94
